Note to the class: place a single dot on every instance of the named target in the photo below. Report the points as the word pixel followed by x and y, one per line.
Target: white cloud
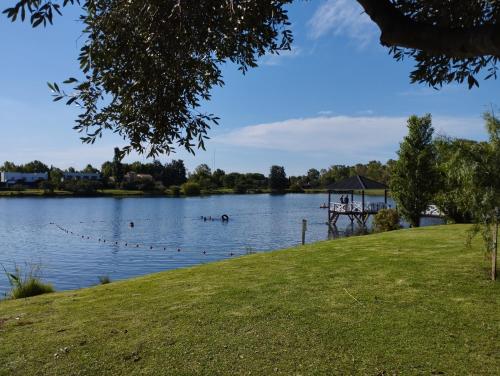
pixel 349 137
pixel 342 17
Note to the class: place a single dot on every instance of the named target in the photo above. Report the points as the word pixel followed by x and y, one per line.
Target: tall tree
pixel 174 173
pixel 476 169
pixel 415 178
pixel 117 165
pixel 89 169
pixel 148 65
pixel 35 166
pixel 277 179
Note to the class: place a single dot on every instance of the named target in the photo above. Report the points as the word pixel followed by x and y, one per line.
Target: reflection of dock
pixel 358 211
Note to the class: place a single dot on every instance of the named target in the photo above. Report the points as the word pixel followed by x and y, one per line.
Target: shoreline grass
pixel 413 301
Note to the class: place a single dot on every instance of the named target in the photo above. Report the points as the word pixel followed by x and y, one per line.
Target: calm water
pixel 38 231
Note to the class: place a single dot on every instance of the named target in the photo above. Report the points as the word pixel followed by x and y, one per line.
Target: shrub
pixel 147 186
pixel 295 188
pixel 386 220
pixel 174 190
pixel 191 189
pixel 82 187
pixel 18 187
pixel 28 283
pixel 104 279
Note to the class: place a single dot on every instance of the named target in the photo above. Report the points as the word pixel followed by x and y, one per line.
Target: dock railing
pixel 357 207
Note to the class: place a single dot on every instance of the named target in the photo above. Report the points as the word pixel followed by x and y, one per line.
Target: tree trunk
pixel 494 250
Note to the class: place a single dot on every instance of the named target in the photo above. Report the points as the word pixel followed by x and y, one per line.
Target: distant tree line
pixel 114 174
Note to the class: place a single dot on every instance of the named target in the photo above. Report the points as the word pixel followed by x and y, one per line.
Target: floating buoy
pixel 178 249
pixel 137 246
pixel 131 224
pixel 164 248
pixel 151 247
pixel 224 218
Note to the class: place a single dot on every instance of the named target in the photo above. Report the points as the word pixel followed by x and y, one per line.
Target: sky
pixel 336 98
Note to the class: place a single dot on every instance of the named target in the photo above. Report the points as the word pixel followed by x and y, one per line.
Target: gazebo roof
pixel 356 183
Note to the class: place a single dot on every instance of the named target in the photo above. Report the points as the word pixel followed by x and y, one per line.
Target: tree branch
pixel 399 30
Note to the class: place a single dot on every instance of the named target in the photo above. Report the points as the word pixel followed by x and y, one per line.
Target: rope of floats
pixel 132 244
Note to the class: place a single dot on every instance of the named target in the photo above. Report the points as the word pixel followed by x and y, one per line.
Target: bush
pixel 104 279
pixel 191 189
pixel 174 190
pixel 82 187
pixel 28 283
pixel 18 187
pixel 147 186
pixel 295 188
pixel 386 220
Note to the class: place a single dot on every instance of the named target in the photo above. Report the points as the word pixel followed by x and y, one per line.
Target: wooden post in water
pixel 495 247
pixel 304 229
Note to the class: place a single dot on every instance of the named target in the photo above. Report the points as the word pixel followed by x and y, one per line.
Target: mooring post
pixel 304 229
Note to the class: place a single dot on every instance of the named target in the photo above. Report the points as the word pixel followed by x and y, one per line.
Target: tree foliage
pixel 450 41
pixel 148 65
pixel 475 168
pixel 117 166
pixel 277 179
pixel 415 178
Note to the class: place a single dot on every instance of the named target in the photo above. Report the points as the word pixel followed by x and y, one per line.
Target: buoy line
pixel 125 244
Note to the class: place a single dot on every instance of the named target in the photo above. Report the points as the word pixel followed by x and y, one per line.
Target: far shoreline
pixel 120 193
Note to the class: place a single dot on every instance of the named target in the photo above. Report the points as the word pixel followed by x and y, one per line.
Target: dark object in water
pixel 131 224
pixel 225 218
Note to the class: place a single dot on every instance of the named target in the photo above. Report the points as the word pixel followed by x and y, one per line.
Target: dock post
pixel 304 229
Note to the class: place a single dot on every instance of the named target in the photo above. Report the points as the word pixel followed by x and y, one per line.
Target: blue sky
pixel 337 97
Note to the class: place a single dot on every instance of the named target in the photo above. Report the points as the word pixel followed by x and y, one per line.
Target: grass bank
pixel 407 302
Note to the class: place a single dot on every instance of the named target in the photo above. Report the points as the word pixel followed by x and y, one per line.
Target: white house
pixel 80 176
pixel 11 178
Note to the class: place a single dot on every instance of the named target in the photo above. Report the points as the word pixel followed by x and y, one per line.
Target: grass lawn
pixel 120 192
pixel 410 302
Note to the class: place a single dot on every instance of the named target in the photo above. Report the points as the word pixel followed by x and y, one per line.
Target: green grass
pixel 409 302
pixel 121 192
pixel 33 193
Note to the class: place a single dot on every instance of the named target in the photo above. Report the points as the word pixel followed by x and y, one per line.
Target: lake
pixel 75 240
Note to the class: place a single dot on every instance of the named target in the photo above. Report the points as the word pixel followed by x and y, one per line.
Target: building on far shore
pixel 28 178
pixel 133 177
pixel 81 176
